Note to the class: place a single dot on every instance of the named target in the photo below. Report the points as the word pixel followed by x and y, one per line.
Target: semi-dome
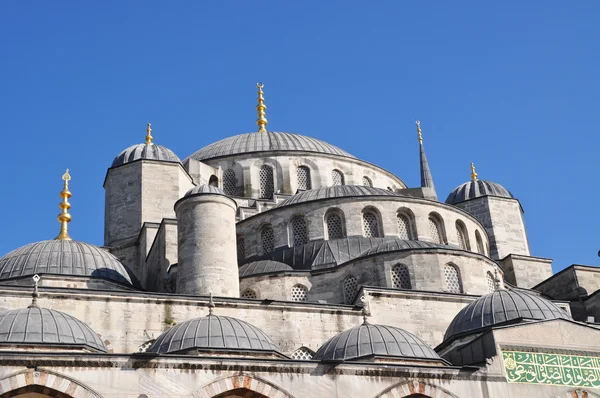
pixel 263 267
pixel 266 142
pixel 337 191
pixel 396 243
pixel 205 188
pixel 476 189
pixel 34 326
pixel 63 257
pixel 213 332
pixel 145 151
pixel 369 340
pixel 502 306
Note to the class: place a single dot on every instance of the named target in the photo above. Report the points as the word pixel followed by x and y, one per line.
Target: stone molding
pixel 404 389
pixel 51 383
pixel 251 383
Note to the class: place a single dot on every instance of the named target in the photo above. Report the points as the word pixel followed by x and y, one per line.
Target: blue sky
pixel 512 86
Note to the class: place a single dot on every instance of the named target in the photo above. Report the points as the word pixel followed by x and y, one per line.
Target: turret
pixel 207 253
pixel 141 186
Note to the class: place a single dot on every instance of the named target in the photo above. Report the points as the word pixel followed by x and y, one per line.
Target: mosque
pixel 276 265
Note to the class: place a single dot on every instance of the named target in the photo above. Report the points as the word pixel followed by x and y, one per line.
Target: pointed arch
pixel 229 383
pixel 415 387
pixel 37 381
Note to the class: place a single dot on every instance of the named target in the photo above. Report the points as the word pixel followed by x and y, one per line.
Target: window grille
pixel 434 231
pixel 335 229
pixel 230 182
pixel 452 280
pixel 337 177
pixel 268 240
pixel 241 250
pixel 304 178
pixel 144 347
pixel 299 293
pixel 480 249
pixel 404 227
pixel 350 285
pixel 370 225
pixel 366 181
pixel 400 277
pixel 266 182
pixel 299 231
pixel 249 294
pixel 303 354
pixel 461 238
pixel 490 282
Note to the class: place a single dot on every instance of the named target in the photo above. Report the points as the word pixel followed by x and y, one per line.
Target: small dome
pixel 205 188
pixel 213 332
pixel 502 306
pixel 42 326
pixel 476 189
pixel 367 340
pixel 63 257
pixel 266 142
pixel 263 267
pixel 145 151
pixel 338 191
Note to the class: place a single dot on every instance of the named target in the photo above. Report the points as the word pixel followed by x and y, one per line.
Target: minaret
pixel 426 179
pixel 261 122
pixel 64 217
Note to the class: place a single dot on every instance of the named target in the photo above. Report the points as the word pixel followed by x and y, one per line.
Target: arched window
pixel 304 182
pixel 370 223
pixel 350 286
pixel 404 227
pixel 366 181
pixel 144 347
pixel 230 182
pixel 267 186
pixel 337 177
pixel 453 284
pixel 400 277
pixel 268 239
pixel 249 294
pixel 335 226
pixel 480 248
pixel 299 231
pixel 491 283
pixel 303 354
pixel 461 235
pixel 241 249
pixel 213 181
pixel 434 230
pixel 299 293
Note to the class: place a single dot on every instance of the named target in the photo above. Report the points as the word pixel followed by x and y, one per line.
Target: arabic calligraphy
pixel 552 369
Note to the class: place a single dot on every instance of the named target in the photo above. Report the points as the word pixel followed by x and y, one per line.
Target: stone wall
pixel 526 271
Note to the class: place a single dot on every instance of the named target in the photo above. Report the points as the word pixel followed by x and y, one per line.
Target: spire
pixel 149 137
pixel 35 294
pixel 64 217
pixel 261 122
pixel 211 305
pixel 426 179
pixel 364 311
pixel 473 173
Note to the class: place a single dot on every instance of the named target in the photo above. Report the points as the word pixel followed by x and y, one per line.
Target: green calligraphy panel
pixel 552 369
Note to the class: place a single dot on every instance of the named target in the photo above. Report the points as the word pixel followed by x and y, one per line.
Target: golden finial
pixel 149 137
pixel 64 217
pixel 261 122
pixel 473 173
pixel 419 131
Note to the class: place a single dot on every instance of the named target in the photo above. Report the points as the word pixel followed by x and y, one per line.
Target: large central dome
pixel 266 142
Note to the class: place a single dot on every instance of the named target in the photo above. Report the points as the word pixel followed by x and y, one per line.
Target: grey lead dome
pixel 145 151
pixel 213 332
pixel 374 340
pixel 502 306
pixel 42 326
pixel 338 191
pixel 205 188
pixel 476 189
pixel 63 257
pixel 266 142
